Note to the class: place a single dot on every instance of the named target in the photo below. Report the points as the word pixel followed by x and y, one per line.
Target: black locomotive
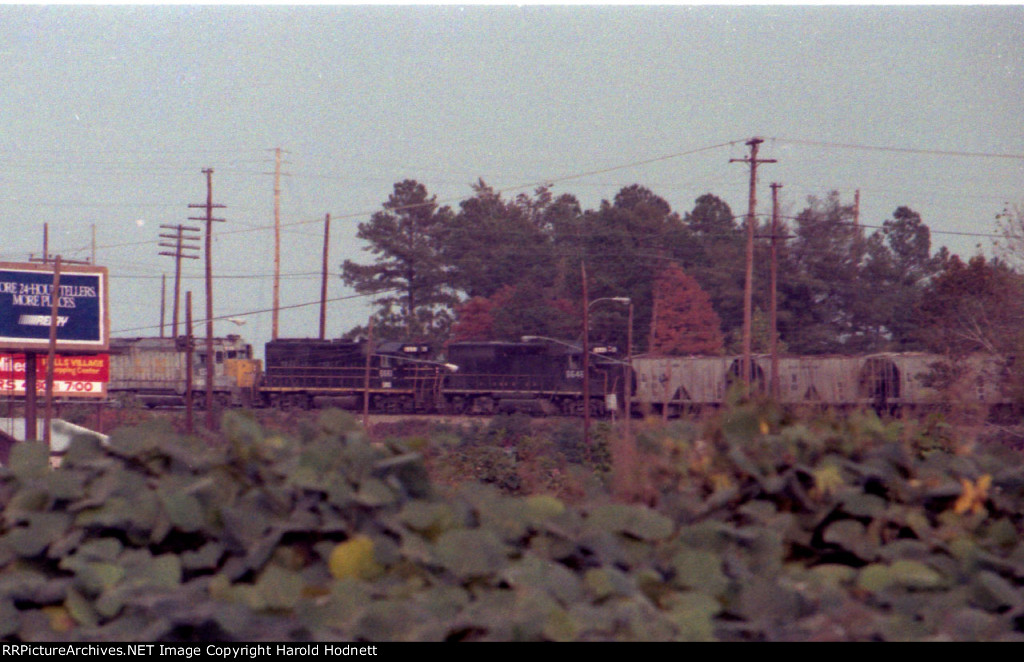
pixel 541 377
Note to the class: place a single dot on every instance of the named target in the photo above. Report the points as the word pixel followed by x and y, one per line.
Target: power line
pixel 903 150
pixel 553 180
pixel 268 310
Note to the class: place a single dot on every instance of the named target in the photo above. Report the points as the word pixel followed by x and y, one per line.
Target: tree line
pixel 500 268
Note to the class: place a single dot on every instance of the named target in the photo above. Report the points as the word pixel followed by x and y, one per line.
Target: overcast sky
pixel 109 114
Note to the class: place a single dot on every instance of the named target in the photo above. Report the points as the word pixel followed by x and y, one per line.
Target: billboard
pixel 73 375
pixel 25 306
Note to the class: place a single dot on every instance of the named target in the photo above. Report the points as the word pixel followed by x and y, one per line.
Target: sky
pixel 110 114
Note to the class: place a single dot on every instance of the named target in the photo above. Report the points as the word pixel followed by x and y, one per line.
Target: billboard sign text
pixel 73 376
pixel 26 299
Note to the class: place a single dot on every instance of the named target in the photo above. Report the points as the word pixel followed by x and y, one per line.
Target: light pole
pixel 586 360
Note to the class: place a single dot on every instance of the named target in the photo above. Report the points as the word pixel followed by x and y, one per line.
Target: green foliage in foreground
pixel 849 529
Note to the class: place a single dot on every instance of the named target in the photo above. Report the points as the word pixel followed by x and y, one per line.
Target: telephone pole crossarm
pixel 184 245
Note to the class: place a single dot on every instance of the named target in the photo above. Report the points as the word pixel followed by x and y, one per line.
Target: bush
pixel 842 527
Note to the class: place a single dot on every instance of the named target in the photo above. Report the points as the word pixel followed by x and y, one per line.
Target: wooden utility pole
pixel 47 258
pixel 586 361
pixel 856 208
pixel 277 242
pixel 163 301
pixel 627 371
pixel 31 396
pixel 774 322
pixel 323 277
pixel 366 375
pixel 748 283
pixel 189 345
pixel 210 367
pixel 184 245
pixel 625 471
pixel 51 354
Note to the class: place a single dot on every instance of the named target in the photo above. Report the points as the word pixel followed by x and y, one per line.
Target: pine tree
pixel 408 275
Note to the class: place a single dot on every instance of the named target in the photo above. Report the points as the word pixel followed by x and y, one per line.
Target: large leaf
pixel 470 552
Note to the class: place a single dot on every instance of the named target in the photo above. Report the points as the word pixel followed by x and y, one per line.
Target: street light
pixel 616 299
pixel 593 352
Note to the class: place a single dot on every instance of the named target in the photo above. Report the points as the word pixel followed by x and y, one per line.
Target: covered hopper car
pixel 885 382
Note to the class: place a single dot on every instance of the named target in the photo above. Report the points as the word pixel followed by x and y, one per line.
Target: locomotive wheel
pixel 291 401
pixel 457 405
pixel 126 400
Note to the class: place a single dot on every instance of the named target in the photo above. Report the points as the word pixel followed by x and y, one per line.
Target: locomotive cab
pixel 153 371
pixel 536 377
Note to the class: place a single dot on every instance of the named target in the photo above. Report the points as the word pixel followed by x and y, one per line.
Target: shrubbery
pixel 759 528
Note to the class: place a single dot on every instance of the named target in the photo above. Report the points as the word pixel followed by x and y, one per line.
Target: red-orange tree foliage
pixel 512 312
pixel 684 322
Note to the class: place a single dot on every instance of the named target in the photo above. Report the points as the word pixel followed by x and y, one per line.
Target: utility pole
pixel 189 345
pixel 31 376
pixel 47 258
pixel 323 277
pixel 626 471
pixel 856 208
pixel 774 322
pixel 209 207
pixel 366 375
pixel 51 354
pixel 182 247
pixel 586 360
pixel 277 240
pixel 163 301
pixel 748 283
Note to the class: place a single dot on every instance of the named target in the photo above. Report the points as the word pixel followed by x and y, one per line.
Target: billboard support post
pixel 31 433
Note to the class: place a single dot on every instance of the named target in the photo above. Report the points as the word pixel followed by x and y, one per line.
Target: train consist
pixel 539 377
